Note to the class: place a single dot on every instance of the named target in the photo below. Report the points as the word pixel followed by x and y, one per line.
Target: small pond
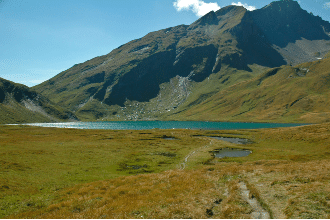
pixel 166 137
pixel 233 140
pixel 169 138
pixel 230 152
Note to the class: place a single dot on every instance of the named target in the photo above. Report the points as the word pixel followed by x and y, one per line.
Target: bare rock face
pixel 232 37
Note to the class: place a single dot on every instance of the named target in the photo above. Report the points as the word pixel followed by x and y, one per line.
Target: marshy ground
pixel 69 173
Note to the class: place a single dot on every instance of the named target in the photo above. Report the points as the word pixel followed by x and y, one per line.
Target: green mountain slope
pixel 175 68
pixel 284 94
pixel 19 104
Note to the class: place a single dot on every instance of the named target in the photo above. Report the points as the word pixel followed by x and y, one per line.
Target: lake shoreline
pixel 164 125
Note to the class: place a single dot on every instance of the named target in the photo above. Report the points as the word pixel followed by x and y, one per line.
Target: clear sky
pixel 41 38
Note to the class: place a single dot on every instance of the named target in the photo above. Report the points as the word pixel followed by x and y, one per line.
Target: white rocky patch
pixel 35 107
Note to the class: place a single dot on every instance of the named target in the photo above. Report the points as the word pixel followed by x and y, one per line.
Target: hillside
pixel 169 70
pixel 19 104
pixel 283 94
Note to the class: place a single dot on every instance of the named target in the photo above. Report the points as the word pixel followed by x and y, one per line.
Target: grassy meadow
pixel 69 173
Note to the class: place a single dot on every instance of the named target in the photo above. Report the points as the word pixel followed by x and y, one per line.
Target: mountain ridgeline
pixel 20 104
pixel 169 72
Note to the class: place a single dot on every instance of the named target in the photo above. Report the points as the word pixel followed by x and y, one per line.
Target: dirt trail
pixel 182 166
pixel 258 211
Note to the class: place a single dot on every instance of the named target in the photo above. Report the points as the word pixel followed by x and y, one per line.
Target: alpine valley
pixel 271 64
pixel 266 65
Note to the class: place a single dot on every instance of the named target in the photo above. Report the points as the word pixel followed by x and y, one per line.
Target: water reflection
pixel 230 152
pixel 233 140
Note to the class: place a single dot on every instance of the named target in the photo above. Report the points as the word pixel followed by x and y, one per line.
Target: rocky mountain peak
pixel 230 11
pixel 208 19
pixel 281 11
pixel 285 22
pixel 283 6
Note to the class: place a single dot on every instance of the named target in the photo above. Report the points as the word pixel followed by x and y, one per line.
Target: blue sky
pixel 41 38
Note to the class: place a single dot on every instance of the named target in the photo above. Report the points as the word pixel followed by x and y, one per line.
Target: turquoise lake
pixel 146 125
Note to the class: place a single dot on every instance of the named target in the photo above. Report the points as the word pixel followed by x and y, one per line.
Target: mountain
pixel 19 104
pixel 282 94
pixel 170 70
pixel 297 35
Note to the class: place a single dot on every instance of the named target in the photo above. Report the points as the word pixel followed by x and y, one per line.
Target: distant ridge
pixel 19 104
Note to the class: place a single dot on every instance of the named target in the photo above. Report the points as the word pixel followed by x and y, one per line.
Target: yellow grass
pixel 288 172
